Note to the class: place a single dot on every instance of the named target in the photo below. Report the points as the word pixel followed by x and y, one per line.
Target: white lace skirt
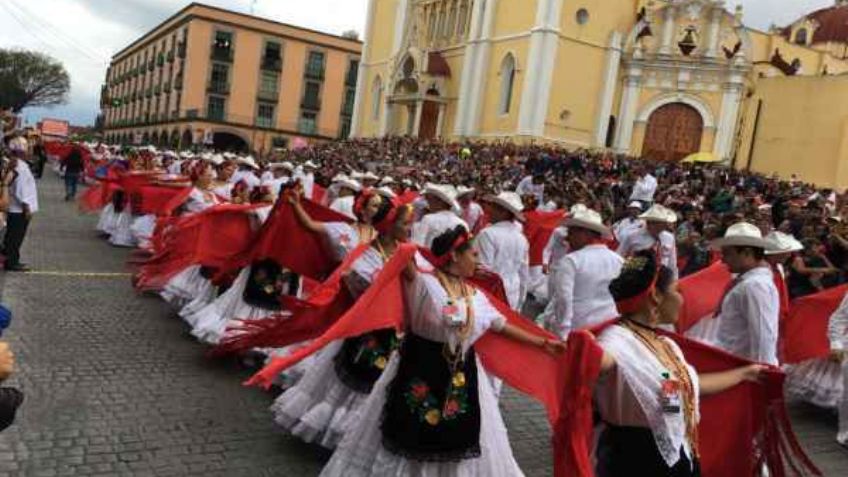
pixel 211 322
pixel 816 381
pixel 188 286
pixel 142 229
pixel 705 331
pixel 122 235
pixel 320 407
pixel 106 222
pixel 361 452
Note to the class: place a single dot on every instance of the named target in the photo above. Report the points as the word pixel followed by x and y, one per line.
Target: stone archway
pixel 674 131
pixel 227 141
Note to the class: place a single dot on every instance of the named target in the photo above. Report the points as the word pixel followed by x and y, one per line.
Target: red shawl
pixel 806 327
pixel 283 239
pixel 209 238
pixel 159 200
pixel 702 293
pixel 563 383
pixel 538 228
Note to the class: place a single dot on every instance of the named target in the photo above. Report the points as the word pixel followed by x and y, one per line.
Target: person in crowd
pixel 581 297
pixel 23 204
pixel 503 248
pixel 749 311
pixel 837 332
pixel 472 212
pixel 10 398
pixel 39 158
pixel 72 167
pixel 648 397
pixel 442 210
pixel 654 235
pixel 810 271
pixel 532 185
pixel 624 228
pixel 644 188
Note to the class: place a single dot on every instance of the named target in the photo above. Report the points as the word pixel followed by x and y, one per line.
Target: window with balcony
pixel 311 96
pixel 315 65
pixel 352 73
pixel 308 123
pixel 216 108
pixel 268 82
pixel 222 47
pixel 219 78
pixel 272 58
pixel 349 98
pixel 265 115
pixel 344 128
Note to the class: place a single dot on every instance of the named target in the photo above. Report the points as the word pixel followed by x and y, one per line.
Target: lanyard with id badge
pixel 670 394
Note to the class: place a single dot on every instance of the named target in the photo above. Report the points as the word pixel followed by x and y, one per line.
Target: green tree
pixel 30 78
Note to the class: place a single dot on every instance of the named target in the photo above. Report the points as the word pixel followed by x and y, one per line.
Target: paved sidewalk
pixel 114 387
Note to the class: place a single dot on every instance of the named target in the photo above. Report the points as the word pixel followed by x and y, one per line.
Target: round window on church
pixel 582 16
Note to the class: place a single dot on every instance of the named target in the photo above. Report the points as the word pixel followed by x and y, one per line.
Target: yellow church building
pixel 651 78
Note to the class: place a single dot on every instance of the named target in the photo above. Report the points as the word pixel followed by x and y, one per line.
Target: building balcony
pixel 264 122
pixel 314 73
pixel 151 65
pixel 171 56
pixel 167 87
pixel 148 93
pixel 215 115
pixel 222 54
pixel 272 64
pixel 218 87
pixel 157 90
pixel 178 82
pixel 272 96
pixel 181 49
pixel 351 76
pixel 160 60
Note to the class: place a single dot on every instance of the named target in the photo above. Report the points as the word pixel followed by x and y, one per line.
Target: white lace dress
pixel 142 229
pixel 122 235
pixel 106 221
pixel 362 453
pixel 320 407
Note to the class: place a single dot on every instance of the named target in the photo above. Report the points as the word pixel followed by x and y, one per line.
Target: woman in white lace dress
pixel 433 411
pixel 648 396
pixel 321 406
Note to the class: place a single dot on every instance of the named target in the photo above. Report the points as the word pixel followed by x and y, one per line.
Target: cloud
pixel 84 34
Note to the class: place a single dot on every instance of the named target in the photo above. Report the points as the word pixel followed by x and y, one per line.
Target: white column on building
pixel 668 31
pixel 627 116
pixel 389 110
pixel 416 125
pixel 468 61
pixel 400 25
pixel 613 64
pixel 538 77
pixel 713 31
pixel 481 68
pixel 361 76
pixel 728 120
pixel 441 120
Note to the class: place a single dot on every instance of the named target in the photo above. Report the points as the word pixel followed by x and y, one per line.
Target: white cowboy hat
pixel 444 192
pixel 635 205
pixel 387 180
pixel 340 176
pixel 248 161
pixel 742 234
pixel 659 213
pixel 463 190
pixel 229 155
pixel 783 243
pixel 186 154
pixel 216 159
pixel 356 175
pixel 386 192
pixel 370 176
pixel 587 219
pixel 349 183
pixel 577 208
pixel 509 201
pixel 310 164
pixel 280 165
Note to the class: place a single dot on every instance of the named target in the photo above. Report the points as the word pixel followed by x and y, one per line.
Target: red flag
pixel 805 329
pixel 702 293
pixel 538 228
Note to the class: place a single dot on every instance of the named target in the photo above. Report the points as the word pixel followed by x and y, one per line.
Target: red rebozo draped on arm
pixel 805 330
pixel 702 293
pixel 562 383
pixel 209 238
pixel 96 197
pixel 747 426
pixel 160 200
pixel 538 228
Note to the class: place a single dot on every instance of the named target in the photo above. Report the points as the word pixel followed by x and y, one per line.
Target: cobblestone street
pixel 115 387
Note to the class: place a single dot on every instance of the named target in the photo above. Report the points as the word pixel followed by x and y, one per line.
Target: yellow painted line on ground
pixel 59 273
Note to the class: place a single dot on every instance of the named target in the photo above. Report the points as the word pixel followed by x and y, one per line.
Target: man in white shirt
pixel 246 172
pixel 306 175
pixel 472 212
pixel 503 248
pixel 630 224
pixel 655 236
pixel 533 185
pixel 581 297
pixel 346 196
pixel 749 312
pixel 644 188
pixel 280 175
pixel 23 203
pixel 442 210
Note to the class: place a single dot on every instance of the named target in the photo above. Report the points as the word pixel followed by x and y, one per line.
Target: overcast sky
pixel 83 34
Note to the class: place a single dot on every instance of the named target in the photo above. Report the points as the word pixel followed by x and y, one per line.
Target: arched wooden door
pixel 429 120
pixel 674 131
